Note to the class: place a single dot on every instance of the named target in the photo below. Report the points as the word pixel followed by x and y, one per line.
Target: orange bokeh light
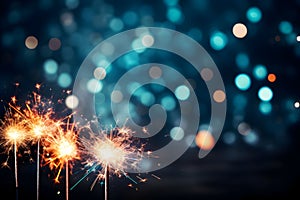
pixel 205 140
pixel 272 78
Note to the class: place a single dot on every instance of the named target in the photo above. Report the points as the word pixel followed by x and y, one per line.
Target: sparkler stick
pixel 106 184
pixel 16 169
pixel 67 180
pixel 38 171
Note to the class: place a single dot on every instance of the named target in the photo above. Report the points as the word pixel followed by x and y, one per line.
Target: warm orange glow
pixel 205 140
pixel 116 149
pixel 239 30
pixel 31 42
pixel 109 153
pixel 219 96
pixel 60 148
pixel 13 131
pixel 272 78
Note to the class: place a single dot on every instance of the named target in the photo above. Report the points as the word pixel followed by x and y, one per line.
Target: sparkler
pixel 115 153
pixel 36 124
pixel 14 134
pixel 39 121
pixel 60 150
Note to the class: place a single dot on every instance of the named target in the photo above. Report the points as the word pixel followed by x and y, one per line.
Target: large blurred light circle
pixel 254 14
pixel 94 85
pixel 285 27
pixel 50 66
pixel 260 72
pixel 242 81
pixel 205 140
pixel 182 92
pixel 168 103
pixel 218 40
pixel 64 80
pixel 265 93
pixel 265 107
pixel 177 133
pixel 239 30
pixel 31 42
pixel 72 101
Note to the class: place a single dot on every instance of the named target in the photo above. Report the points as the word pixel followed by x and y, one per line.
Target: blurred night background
pixel 256 156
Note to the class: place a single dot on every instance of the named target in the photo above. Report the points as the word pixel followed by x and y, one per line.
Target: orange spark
pixel 60 149
pixel 118 150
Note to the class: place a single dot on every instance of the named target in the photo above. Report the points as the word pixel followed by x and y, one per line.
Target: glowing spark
pixel 38 118
pixel 110 153
pixel 119 150
pixel 61 149
pixel 13 132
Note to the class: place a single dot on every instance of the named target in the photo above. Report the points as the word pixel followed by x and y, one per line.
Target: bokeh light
pixel 50 66
pixel 31 42
pixel 147 98
pixel 219 96
pixel 271 78
pixel 182 92
pixel 116 96
pixel 72 101
pixel 204 140
pixel 242 82
pixel 265 107
pixel 94 86
pixel 174 14
pixel 218 40
pixel 285 27
pixel 260 72
pixel 244 128
pixel 100 73
pixel 54 44
pixel 168 103
pixel 254 14
pixel 239 30
pixel 147 40
pixel 229 138
pixel 64 80
pixel 155 72
pixel 265 93
pixel 251 138
pixel 177 133
pixel 206 74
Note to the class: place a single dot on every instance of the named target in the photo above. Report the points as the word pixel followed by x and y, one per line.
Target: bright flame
pixel 60 149
pixel 117 150
pixel 13 131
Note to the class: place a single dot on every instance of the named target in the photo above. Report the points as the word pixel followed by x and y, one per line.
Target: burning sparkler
pixel 115 153
pixel 60 150
pixel 39 121
pixel 14 135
